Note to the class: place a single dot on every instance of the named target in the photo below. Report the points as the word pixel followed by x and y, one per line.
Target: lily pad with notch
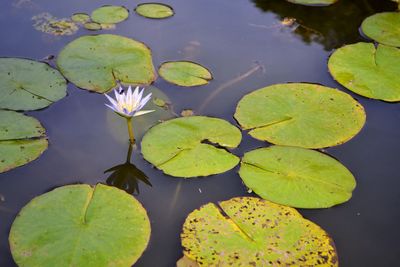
pixel 29 85
pixel 110 14
pixel 97 62
pixel 367 70
pixel 383 28
pixel 313 2
pixel 300 114
pixel 154 10
pixel 22 140
pixel 185 73
pixel 192 146
pixel 248 231
pixel 78 225
pixel 305 178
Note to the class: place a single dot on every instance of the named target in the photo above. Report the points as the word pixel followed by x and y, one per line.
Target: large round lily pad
pixel 192 146
pixel 110 14
pixel 96 62
pixel 185 73
pixel 297 177
pixel 78 225
pixel 383 28
pixel 154 10
pixel 250 231
pixel 313 2
pixel 22 139
pixel 368 71
pixel 300 114
pixel 29 85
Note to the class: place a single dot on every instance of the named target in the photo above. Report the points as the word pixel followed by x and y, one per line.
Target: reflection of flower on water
pixel 126 176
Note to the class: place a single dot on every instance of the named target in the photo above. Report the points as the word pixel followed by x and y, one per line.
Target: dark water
pixel 228 37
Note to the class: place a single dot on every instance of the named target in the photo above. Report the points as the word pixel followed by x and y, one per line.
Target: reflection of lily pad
pixel 383 28
pixel 300 114
pixel 188 146
pixel 29 85
pixel 368 71
pixel 110 14
pixel 305 178
pixel 313 2
pixel 80 17
pixel 96 62
pixel 254 232
pixel 92 26
pixel 154 10
pixel 185 73
pixel 22 139
pixel 78 225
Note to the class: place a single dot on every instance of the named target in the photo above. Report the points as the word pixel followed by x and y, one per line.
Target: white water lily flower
pixel 129 104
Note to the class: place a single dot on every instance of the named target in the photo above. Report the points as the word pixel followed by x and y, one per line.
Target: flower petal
pixel 142 112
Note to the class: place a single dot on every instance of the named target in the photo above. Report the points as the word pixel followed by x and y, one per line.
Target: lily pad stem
pixel 130 130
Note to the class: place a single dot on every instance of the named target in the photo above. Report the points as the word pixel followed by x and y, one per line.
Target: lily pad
pixel 92 26
pixel 383 28
pixel 96 62
pixel 110 14
pixel 368 71
pixel 185 73
pixel 154 10
pixel 29 85
pixel 246 231
pixel 313 2
pixel 22 140
pixel 80 17
pixel 305 178
pixel 300 114
pixel 192 146
pixel 77 225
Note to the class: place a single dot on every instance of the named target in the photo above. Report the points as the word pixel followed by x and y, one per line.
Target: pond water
pixel 231 38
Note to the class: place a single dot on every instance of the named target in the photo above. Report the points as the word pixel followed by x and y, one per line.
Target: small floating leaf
pixel 92 26
pixel 78 225
pixel 184 147
pixel 313 2
pixel 368 71
pixel 154 10
pixel 383 28
pixel 305 178
pixel 185 73
pixel 22 140
pixel 107 26
pixel 96 62
pixel 80 17
pixel 29 85
pixel 110 14
pixel 246 231
pixel 300 114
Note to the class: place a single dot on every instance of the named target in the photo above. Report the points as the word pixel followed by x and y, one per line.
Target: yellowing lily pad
pixel 368 71
pixel 192 146
pixel 313 2
pixel 300 114
pixel 296 177
pixel 246 231
pixel 29 85
pixel 383 28
pixel 110 14
pixel 78 225
pixel 96 62
pixel 154 10
pixel 80 17
pixel 185 73
pixel 22 140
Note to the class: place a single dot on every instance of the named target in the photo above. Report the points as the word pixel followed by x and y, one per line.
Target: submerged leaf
pixel 154 10
pixel 383 28
pixel 185 73
pixel 45 22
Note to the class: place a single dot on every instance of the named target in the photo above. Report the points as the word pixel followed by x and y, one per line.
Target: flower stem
pixel 130 130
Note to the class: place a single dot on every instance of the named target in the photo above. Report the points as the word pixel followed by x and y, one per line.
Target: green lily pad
pixel 313 2
pixel 29 85
pixel 77 225
pixel 110 14
pixel 96 62
pixel 185 73
pixel 300 114
pixel 154 10
pixel 383 28
pixel 368 71
pixel 246 231
pixel 305 178
pixel 22 140
pixel 80 17
pixel 92 26
pixel 188 146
